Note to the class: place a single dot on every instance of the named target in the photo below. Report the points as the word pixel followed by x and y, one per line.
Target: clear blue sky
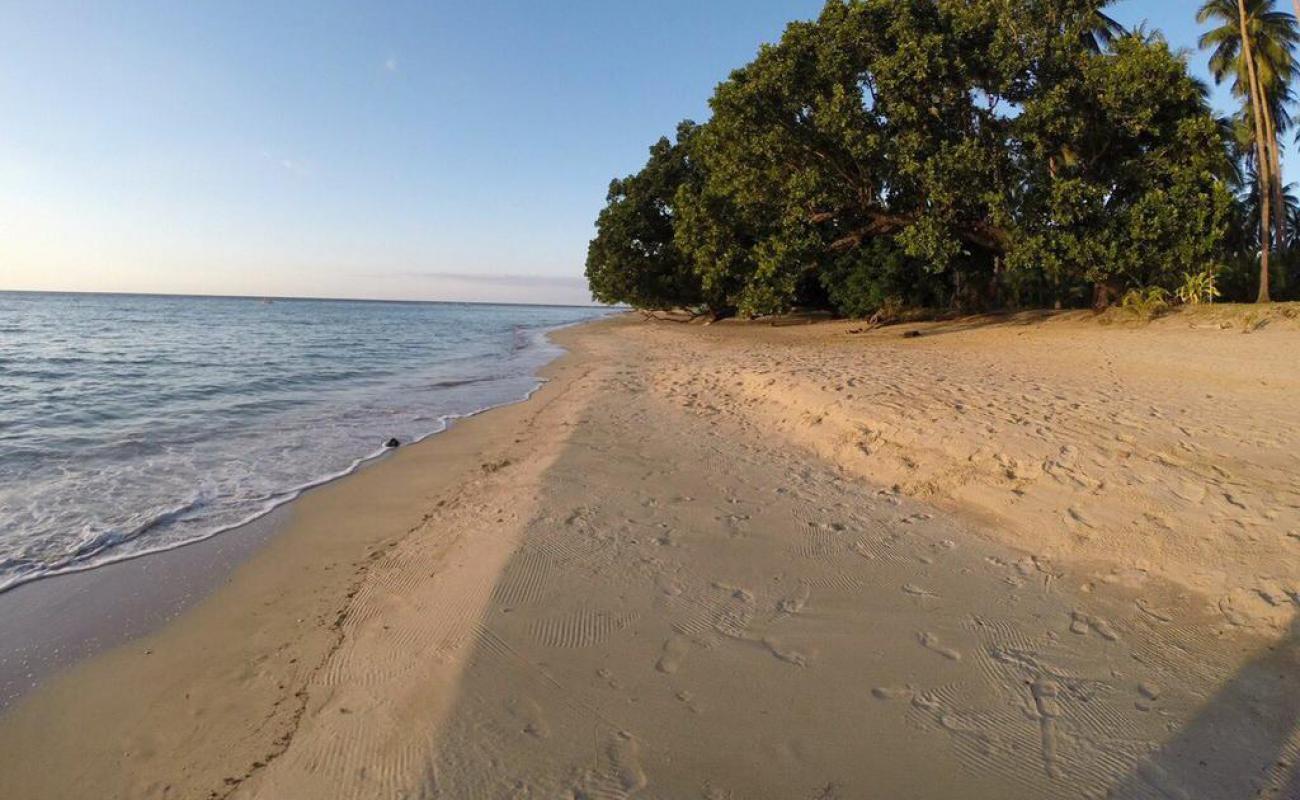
pixel 432 150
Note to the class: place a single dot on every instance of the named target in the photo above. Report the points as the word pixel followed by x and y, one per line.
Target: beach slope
pixel 1033 557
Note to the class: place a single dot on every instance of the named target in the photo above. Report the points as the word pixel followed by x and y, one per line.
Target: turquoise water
pixel 130 424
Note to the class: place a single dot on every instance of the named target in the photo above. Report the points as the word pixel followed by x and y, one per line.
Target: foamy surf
pixel 130 447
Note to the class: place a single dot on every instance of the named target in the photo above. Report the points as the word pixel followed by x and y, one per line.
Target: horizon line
pixel 304 297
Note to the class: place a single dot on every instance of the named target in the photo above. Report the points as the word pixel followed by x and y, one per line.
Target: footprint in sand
pixel 918 591
pixel 625 756
pixel 785 654
pixel 622 776
pixel 688 699
pixel 931 642
pixel 673 654
pixel 1148 694
pixel 736 612
pixel 796 601
pixel 529 714
pixel 1081 623
pixel 892 693
pixel 1046 700
pixel 608 677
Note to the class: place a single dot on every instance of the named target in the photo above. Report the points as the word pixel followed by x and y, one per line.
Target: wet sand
pixel 1011 558
pixel 51 623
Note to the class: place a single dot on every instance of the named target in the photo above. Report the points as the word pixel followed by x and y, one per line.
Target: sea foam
pixel 132 424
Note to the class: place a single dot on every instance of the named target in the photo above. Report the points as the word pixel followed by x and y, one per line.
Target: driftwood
pixel 666 315
pixel 685 316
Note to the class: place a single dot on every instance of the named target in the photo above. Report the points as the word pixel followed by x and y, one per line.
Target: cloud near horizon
pixel 499 287
pixel 565 281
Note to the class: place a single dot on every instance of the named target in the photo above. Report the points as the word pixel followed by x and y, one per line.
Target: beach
pixel 1023 556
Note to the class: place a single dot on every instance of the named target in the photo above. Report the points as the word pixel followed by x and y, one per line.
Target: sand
pixel 1026 558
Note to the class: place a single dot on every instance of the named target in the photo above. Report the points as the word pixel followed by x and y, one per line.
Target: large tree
pixel 973 134
pixel 1135 196
pixel 952 152
pixel 866 123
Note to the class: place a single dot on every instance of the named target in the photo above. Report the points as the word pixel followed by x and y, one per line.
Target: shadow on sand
pixel 1244 743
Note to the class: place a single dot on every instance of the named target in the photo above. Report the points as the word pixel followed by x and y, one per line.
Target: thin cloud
pixel 391 64
pixel 557 281
pixel 288 164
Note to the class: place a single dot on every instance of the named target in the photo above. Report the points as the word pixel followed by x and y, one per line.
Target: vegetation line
pixel 968 154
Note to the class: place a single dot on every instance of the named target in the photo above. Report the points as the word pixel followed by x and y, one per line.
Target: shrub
pixel 1145 303
pixel 1198 287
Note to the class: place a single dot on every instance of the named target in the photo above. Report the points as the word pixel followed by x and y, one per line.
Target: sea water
pixel 131 424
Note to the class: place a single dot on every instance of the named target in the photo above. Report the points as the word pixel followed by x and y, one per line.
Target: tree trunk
pixel 995 284
pixel 1275 168
pixel 1261 156
pixel 1103 294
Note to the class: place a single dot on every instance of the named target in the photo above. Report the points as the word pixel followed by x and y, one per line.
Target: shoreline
pixel 661 573
pixel 280 609
pixel 67 616
pixel 288 496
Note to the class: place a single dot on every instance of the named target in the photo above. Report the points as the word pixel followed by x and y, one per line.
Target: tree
pixel 856 126
pixel 940 152
pixel 1142 198
pixel 970 134
pixel 633 258
pixel 1254 45
pixel 1103 30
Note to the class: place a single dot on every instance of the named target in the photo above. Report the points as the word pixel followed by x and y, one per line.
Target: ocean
pixel 131 424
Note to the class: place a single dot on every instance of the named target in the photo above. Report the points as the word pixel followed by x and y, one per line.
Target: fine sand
pixel 1036 557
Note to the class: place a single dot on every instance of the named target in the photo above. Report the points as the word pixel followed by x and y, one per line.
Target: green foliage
pixel 861 282
pixel 633 258
pixel 960 152
pixel 1145 303
pixel 1273 37
pixel 1198 288
pixel 1138 201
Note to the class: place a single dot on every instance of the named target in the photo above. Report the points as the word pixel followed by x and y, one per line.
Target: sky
pixel 423 151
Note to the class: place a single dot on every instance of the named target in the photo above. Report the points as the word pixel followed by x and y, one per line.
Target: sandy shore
pixel 1028 558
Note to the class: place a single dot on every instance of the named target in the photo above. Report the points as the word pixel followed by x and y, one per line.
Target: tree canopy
pixel 967 153
pixel 634 258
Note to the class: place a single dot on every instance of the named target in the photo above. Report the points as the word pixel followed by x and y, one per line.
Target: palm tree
pixel 1103 29
pixel 1250 205
pixel 1293 216
pixel 1255 45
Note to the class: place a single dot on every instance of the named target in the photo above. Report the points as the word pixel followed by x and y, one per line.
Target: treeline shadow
pixel 1241 744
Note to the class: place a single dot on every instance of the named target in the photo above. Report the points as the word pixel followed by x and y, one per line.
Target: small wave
pixel 103 540
pixel 453 384
pixel 92 544
pixel 222 513
pixel 88 556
